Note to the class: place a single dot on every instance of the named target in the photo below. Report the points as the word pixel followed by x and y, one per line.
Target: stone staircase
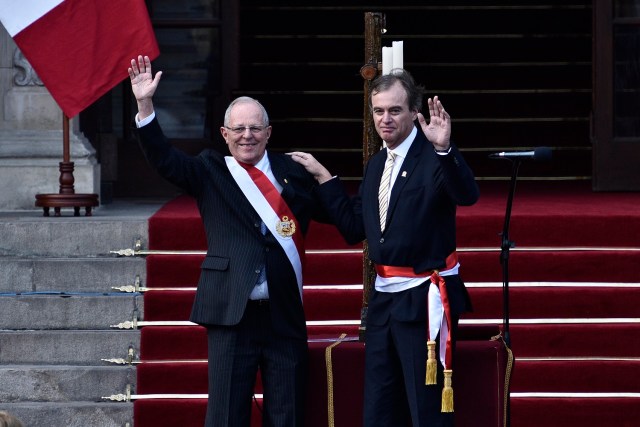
pixel 57 308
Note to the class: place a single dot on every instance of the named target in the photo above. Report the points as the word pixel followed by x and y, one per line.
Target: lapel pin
pixel 404 174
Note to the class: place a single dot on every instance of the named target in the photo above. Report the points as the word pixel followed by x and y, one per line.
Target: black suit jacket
pixel 420 229
pixel 237 249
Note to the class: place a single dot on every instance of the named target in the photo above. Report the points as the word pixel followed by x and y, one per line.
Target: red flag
pixel 79 48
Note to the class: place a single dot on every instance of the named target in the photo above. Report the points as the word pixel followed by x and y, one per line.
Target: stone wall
pixel 31 137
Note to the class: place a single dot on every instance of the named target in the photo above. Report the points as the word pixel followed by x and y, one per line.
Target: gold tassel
pixel 447 392
pixel 432 365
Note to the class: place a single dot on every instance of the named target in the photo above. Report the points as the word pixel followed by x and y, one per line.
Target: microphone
pixel 540 153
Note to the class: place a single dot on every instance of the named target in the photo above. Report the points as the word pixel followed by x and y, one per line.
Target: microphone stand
pixel 540 153
pixel 505 246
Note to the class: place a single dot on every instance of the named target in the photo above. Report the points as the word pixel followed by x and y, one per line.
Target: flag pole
pixel 66 197
pixel 374 27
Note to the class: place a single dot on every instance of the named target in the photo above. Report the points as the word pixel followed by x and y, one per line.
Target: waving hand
pixel 143 84
pixel 438 130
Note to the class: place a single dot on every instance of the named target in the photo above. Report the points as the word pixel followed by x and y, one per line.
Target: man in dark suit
pixel 418 294
pixel 255 206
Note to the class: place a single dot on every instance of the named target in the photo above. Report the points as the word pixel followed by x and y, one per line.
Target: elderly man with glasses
pixel 256 207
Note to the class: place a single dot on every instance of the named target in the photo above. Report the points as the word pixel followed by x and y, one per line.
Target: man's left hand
pixel 438 130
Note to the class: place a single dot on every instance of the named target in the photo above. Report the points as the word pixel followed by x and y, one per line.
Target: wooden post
pixel 66 197
pixel 374 24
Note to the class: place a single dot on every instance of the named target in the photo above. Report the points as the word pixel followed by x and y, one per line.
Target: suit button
pixel 257 271
pixel 257 225
pixel 266 249
pixel 382 240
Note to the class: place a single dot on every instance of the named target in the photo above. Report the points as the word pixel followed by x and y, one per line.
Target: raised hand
pixel 438 130
pixel 143 84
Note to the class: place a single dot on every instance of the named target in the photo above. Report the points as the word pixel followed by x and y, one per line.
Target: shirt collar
pixel 264 164
pixel 403 148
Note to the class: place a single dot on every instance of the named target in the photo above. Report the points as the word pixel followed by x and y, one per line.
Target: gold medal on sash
pixel 286 227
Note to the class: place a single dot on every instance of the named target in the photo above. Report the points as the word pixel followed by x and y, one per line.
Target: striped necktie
pixel 383 191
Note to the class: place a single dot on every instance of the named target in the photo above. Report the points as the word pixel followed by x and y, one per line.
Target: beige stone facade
pixel 31 137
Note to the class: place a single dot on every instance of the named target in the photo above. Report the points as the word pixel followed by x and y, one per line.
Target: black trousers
pixel 235 355
pixel 395 364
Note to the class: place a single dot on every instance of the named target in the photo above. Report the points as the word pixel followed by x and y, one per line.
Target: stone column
pixel 31 140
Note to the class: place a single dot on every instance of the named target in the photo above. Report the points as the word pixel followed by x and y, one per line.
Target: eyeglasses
pixel 239 130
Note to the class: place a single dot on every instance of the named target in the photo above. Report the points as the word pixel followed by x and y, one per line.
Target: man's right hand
pixel 314 167
pixel 143 84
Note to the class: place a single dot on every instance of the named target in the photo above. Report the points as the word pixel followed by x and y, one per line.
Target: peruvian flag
pixel 80 48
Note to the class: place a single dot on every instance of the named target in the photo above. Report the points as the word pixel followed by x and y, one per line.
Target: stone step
pixel 36 238
pixel 72 414
pixel 63 310
pixel 112 227
pixel 59 354
pixel 85 274
pixel 69 383
pixel 75 347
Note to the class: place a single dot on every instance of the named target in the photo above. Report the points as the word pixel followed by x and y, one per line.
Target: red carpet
pixel 574 293
pixel 347 358
pixel 554 213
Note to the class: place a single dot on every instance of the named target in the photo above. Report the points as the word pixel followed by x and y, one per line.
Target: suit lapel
pixel 281 170
pixel 406 171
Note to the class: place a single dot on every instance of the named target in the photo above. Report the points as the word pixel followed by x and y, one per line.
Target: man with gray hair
pixel 256 207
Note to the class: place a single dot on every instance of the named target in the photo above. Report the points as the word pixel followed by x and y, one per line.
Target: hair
pixel 415 92
pixel 8 420
pixel 243 100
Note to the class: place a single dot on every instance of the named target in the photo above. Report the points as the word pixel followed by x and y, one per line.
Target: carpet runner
pixel 573 296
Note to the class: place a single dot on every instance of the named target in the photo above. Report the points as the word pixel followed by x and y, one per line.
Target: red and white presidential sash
pixel 274 212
